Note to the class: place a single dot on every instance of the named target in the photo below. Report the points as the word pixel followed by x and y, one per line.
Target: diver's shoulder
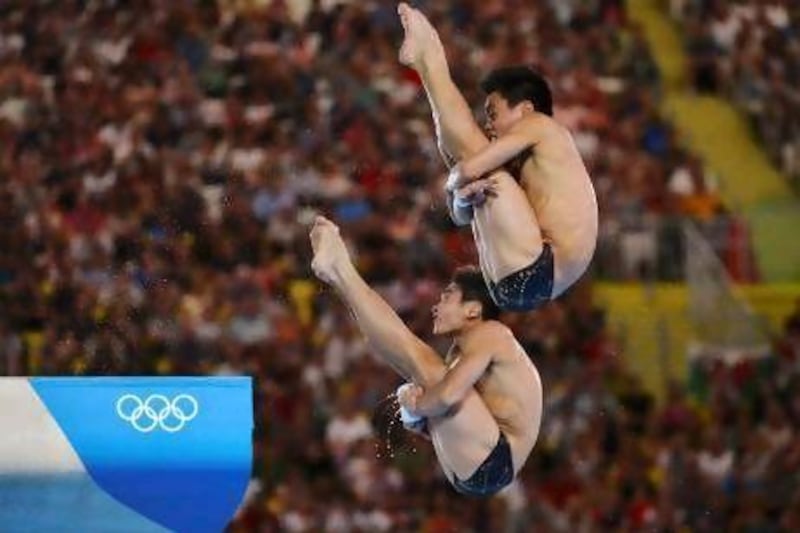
pixel 494 329
pixel 541 120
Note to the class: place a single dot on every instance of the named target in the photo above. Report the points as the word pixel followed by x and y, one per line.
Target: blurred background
pixel 160 162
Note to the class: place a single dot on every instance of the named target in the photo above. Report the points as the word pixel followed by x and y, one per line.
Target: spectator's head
pixel 511 94
pixel 465 301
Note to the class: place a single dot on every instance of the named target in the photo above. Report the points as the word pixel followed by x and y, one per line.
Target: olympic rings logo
pixel 157 411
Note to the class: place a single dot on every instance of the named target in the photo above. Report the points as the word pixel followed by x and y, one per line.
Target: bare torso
pixel 512 391
pixel 559 189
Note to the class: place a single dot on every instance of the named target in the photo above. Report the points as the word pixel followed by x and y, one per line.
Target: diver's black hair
pixel 519 83
pixel 473 289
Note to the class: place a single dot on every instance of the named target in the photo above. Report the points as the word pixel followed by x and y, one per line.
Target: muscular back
pixel 561 193
pixel 511 389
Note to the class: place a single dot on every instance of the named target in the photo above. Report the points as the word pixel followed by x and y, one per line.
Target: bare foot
pixel 330 252
pixel 420 37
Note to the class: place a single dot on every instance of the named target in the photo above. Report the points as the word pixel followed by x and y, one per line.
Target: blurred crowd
pixel 750 52
pixel 160 163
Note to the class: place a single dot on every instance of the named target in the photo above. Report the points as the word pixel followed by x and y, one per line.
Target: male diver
pixel 482 404
pixel 526 192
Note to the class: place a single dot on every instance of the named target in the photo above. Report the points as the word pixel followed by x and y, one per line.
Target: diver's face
pixel 449 315
pixel 500 117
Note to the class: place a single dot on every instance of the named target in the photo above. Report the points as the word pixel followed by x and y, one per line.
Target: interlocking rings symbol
pixel 157 411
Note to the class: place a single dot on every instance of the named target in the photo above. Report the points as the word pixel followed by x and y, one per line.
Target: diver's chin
pixel 441 330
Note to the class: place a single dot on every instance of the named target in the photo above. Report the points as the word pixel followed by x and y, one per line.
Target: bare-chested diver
pixel 535 237
pixel 482 404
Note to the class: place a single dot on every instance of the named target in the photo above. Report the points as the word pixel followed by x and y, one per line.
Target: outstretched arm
pixel 385 332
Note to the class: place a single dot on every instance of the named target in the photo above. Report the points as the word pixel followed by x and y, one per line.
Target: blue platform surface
pixel 123 454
